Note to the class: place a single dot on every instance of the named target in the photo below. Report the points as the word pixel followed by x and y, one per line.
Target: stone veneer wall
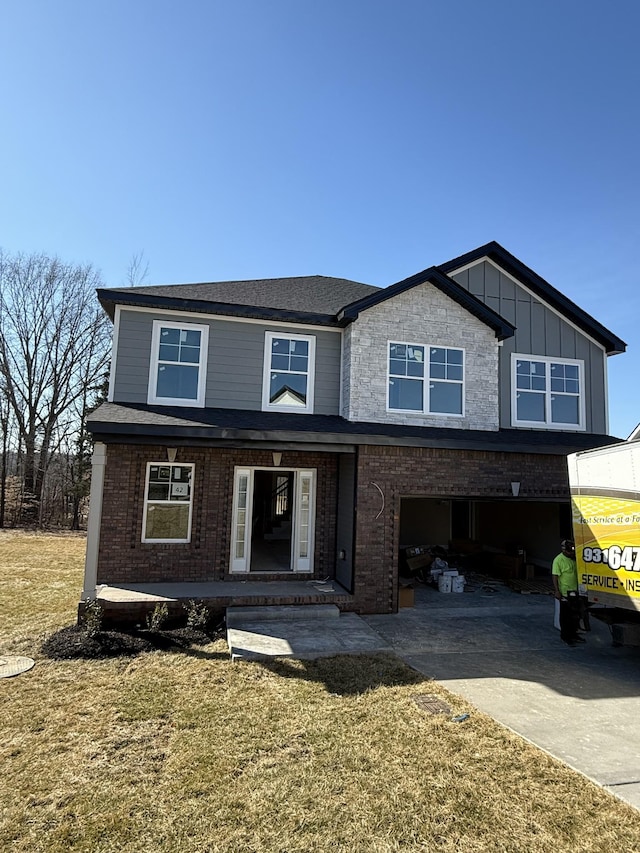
pixel 431 472
pixel 123 557
pixel 422 315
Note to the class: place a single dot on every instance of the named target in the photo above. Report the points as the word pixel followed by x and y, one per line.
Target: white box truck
pixel 605 503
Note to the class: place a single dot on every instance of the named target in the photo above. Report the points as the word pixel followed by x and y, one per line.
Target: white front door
pixel 268 497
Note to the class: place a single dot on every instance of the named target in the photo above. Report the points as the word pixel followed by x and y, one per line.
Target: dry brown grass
pixel 40 585
pixel 182 752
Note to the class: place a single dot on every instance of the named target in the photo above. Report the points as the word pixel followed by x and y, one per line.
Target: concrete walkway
pixel 305 632
pixel 501 652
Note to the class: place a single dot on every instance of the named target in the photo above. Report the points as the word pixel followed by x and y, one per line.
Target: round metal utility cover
pixel 14 665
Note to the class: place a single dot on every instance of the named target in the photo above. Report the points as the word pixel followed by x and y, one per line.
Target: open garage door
pixel 527 530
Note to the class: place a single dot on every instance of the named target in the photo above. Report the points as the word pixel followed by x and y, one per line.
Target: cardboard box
pixel 415 563
pixel 507 567
pixel 415 551
pixel 406 596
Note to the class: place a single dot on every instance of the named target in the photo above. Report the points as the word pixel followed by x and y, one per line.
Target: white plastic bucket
pixel 444 583
pixel 458 584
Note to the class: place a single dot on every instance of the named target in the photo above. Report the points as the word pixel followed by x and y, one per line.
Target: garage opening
pixel 508 539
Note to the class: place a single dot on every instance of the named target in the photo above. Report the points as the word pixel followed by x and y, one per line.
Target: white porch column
pixel 98 462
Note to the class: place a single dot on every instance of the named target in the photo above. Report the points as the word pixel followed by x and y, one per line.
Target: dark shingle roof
pixel 322 300
pixel 126 422
pixel 313 294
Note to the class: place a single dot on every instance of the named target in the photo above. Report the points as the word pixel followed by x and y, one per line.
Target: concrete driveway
pixel 500 651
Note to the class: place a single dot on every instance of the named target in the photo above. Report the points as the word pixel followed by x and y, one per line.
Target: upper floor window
pixel 547 392
pixel 168 503
pixel 288 373
pixel 428 380
pixel 178 363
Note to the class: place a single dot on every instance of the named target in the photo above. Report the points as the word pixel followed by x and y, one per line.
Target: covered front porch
pixel 130 603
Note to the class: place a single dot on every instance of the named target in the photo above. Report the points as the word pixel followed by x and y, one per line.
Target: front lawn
pixel 181 750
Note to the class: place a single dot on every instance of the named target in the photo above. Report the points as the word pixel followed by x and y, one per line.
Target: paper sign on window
pixel 179 490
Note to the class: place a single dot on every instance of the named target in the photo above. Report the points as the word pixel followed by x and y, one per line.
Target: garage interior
pixel 511 539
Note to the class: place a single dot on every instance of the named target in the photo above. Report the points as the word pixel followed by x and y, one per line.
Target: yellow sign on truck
pixel 605 499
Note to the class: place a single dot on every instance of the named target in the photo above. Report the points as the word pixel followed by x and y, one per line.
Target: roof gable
pixel 502 328
pixel 327 301
pixel 541 288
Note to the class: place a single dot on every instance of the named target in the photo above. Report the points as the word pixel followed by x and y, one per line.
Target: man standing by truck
pixel 565 584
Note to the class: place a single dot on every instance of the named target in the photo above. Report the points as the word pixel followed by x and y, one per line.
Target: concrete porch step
pixel 280 612
pixel 303 639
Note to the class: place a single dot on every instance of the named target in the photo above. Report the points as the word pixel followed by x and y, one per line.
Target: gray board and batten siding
pixel 539 331
pixel 234 365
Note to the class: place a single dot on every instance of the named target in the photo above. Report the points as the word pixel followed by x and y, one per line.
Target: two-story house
pixel 308 428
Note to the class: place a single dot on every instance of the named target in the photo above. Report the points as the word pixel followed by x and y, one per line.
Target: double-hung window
pixel 547 392
pixel 177 373
pixel 288 373
pixel 427 380
pixel 168 495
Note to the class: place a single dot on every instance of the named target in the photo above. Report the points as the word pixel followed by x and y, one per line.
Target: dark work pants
pixel 569 619
pixel 583 613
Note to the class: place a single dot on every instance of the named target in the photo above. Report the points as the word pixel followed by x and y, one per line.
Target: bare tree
pixel 53 352
pixel 5 451
pixel 138 270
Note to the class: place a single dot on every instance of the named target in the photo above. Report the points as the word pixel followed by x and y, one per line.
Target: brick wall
pixel 397 471
pixel 422 315
pixel 428 472
pixel 123 557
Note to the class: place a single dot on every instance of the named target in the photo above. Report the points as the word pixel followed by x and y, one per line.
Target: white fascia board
pixel 531 293
pixel 635 434
pixel 114 351
pixel 195 314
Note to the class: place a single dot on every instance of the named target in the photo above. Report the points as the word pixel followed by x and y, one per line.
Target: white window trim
pixel 152 397
pixel 266 377
pixel 304 565
pixel 240 565
pixel 145 538
pixel 427 378
pixel 299 565
pixel 548 424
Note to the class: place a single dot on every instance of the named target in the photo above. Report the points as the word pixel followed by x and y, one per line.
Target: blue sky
pixel 355 138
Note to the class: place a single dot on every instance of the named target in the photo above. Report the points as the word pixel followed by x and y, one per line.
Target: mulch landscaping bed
pixel 75 642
